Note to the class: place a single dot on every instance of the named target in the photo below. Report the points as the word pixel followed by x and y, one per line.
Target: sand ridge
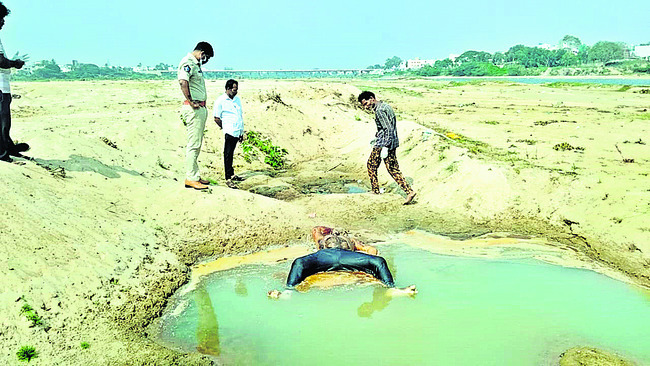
pixel 99 231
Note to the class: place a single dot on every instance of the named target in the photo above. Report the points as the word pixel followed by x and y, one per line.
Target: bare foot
pixel 409 198
pixel 406 291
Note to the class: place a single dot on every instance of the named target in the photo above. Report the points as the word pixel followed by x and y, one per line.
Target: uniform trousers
pixel 195 121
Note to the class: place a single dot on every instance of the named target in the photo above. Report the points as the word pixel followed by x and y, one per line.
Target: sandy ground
pixel 98 231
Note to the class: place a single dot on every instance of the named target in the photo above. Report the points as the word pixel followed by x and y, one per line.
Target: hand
pixel 409 291
pixel 195 104
pixel 19 64
pixel 241 138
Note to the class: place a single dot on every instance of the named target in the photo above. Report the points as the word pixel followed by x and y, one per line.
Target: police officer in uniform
pixel 194 112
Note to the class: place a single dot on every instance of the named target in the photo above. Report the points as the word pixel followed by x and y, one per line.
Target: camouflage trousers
pixel 391 165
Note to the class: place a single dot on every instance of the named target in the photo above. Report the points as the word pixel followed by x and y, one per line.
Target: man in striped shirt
pixel 385 144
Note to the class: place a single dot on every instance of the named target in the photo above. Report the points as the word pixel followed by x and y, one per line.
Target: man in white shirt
pixel 229 117
pixel 7 146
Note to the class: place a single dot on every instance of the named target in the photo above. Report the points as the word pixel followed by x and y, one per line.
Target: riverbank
pixel 101 231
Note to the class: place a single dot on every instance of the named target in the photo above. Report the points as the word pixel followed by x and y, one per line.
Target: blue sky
pixel 254 34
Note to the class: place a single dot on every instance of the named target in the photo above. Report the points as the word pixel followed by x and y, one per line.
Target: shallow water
pixel 469 311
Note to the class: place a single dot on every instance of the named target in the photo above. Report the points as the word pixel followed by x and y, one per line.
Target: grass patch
pixel 644 116
pixel 564 84
pixel 452 168
pixel 490 122
pixel 624 88
pixel 84 345
pixel 26 353
pixel 527 141
pixel 31 315
pixel 565 146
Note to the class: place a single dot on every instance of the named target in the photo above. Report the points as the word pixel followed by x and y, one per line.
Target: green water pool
pixel 469 311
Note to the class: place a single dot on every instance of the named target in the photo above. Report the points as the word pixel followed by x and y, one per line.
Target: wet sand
pixel 101 231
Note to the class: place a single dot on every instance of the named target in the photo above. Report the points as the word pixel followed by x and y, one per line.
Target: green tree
pixel 47 70
pixel 583 53
pixel 392 62
pixel 498 58
pixel 444 64
pixel 569 59
pixel 474 56
pixel 570 41
pixel 162 66
pixel 429 70
pixel 605 51
pixel 86 71
pixel 477 69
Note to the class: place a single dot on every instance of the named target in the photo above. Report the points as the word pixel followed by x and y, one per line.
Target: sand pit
pixel 99 231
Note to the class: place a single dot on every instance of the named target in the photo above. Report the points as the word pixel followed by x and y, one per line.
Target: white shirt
pixel 230 113
pixel 5 74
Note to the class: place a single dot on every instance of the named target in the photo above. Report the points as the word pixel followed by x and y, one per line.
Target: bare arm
pixel 185 88
pixel 218 121
pixel 360 247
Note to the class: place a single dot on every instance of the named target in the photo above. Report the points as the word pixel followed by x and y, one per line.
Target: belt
pixel 201 103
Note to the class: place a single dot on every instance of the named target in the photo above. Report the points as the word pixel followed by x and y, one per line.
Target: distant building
pixel 567 46
pixel 642 51
pixel 418 64
pixel 547 46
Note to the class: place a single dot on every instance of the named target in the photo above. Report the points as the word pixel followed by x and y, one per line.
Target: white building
pixel 547 46
pixel 418 64
pixel 642 51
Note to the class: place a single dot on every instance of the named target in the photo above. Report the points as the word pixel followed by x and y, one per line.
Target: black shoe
pixel 18 148
pixel 237 178
pixel 7 159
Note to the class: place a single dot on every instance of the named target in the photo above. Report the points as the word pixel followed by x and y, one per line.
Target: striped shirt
pixel 386 135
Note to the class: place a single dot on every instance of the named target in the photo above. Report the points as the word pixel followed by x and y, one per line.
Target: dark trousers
pixel 6 144
pixel 326 260
pixel 228 152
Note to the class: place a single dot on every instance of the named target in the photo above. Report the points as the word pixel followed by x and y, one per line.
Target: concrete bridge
pixel 276 74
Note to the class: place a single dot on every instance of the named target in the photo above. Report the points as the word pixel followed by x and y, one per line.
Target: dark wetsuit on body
pixel 333 259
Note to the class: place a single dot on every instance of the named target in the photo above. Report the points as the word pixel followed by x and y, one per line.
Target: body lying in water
pixel 337 251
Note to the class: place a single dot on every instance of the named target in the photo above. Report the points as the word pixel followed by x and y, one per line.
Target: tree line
pixel 49 69
pixel 524 60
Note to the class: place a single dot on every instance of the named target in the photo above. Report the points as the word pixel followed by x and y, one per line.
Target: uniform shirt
pixel 386 126
pixel 230 112
pixel 189 69
pixel 5 74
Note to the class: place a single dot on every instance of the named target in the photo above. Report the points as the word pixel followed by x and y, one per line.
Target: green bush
pixel 274 154
pixel 26 353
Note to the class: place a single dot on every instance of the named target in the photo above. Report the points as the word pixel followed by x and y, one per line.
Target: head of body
pixel 232 86
pixel 336 240
pixel 203 52
pixel 367 99
pixel 3 13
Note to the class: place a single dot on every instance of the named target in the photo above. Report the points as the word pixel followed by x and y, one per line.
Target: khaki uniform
pixel 190 70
